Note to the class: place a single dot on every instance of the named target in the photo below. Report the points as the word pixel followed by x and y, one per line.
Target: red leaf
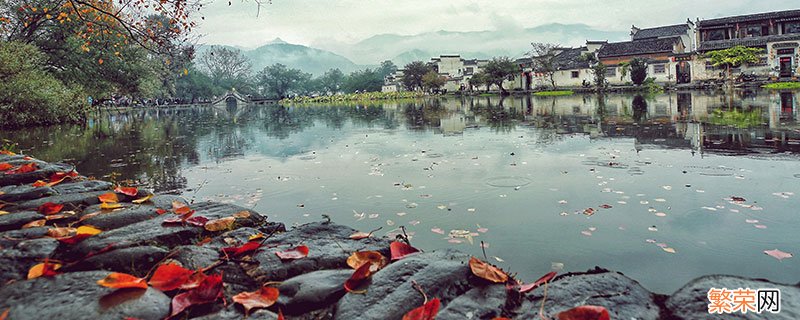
pixel 605 206
pixel 358 278
pixel 105 249
pixel 425 312
pixel 60 176
pixel 401 250
pixel 180 207
pixel 161 211
pixel 584 313
pixel 545 278
pixel 293 253
pixel 208 291
pixel 197 221
pixel 50 208
pixel 194 280
pixel 25 168
pixel 243 249
pixel 130 191
pixel 280 314
pixel 39 183
pixel 170 277
pixel 5 166
pixel 74 239
pixel 262 298
pixel 119 280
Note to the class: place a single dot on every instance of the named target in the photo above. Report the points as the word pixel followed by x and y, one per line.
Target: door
pixel 683 73
pixel 786 67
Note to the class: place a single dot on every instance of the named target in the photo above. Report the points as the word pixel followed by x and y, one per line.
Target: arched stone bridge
pixel 232 103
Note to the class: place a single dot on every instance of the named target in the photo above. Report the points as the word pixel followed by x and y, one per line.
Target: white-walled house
pixel 659 52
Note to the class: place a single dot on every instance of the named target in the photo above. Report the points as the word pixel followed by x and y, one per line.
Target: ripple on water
pixel 508 181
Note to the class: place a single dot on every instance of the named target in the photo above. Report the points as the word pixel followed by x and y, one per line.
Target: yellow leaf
pixel 110 206
pixel 220 224
pixel 242 214
pixel 37 270
pixel 88 230
pixel 256 237
pixel 142 200
pixel 3 212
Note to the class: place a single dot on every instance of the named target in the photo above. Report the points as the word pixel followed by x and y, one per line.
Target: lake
pixel 663 188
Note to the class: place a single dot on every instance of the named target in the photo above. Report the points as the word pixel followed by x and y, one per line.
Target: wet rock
pixel 77 296
pixel 43 173
pixel 165 201
pixel 442 274
pixel 329 246
pixel 16 259
pixel 11 238
pixel 481 302
pixel 691 301
pixel 237 313
pixel 73 201
pixel 313 290
pixel 136 261
pixel 622 296
pixel 129 214
pixel 82 186
pixel 24 193
pixel 194 257
pixel 15 220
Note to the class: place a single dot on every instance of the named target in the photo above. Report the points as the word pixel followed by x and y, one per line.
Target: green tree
pixel 544 57
pixel 387 67
pixel 194 85
pixel 478 79
pixel 733 57
pixel 228 68
pixel 279 81
pixel 366 80
pixel 638 68
pixel 332 81
pixel 413 73
pixel 599 71
pixel 433 81
pixel 499 70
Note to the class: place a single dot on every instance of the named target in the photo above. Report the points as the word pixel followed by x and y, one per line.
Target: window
pixel 718 34
pixel 576 74
pixel 754 30
pixel 791 27
pixel 611 71
pixel 659 68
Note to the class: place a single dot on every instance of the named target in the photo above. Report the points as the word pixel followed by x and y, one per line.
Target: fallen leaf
pixel 375 258
pixel 486 271
pixel 129 191
pixel 142 199
pixel 737 199
pixel 585 313
pixel 257 236
pixel 180 207
pixel 34 224
pixel 427 311
pixel 25 168
pixel 220 224
pixel 400 250
pixel 778 254
pixel 280 314
pixel 108 197
pixel 243 249
pixel 606 206
pixel 160 211
pixel 360 235
pixel 199 221
pixel 545 278
pixel 170 277
pixel 244 214
pixel 7 153
pixel 588 211
pixel 3 212
pixel 60 232
pixel 39 183
pixel 295 253
pixel 668 249
pixel 358 278
pixel 5 166
pixel 4 315
pixel 81 233
pixel 262 298
pixel 118 280
pixel 110 205
pixel 204 241
pixel 44 269
pixel 49 208
pixel 209 290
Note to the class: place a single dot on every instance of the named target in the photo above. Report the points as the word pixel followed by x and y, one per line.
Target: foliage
pixel 31 96
pixel 544 60
pixel 638 68
pixel 782 85
pixel 499 70
pixel 554 93
pixel 194 85
pixel 413 73
pixel 478 79
pixel 733 57
pixel 366 80
pixel 737 118
pixel 652 87
pixel 387 67
pixel 599 71
pixel 279 81
pixel 332 81
pixel 433 81
pixel 228 68
pixel 365 96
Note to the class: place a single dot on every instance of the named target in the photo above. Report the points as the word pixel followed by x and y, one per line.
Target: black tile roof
pixel 747 42
pixel 637 47
pixel 749 17
pixel 572 59
pixel 660 32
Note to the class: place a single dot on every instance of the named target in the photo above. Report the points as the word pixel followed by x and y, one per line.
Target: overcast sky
pixel 322 22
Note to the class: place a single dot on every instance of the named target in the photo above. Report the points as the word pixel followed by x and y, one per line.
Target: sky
pixel 330 23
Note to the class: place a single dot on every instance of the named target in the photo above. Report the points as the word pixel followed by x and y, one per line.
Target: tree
pixel 544 59
pixel 599 71
pixel 499 70
pixel 194 85
pixel 387 67
pixel 433 81
pixel 478 79
pixel 366 80
pixel 279 81
pixel 638 68
pixel 733 57
pixel 413 73
pixel 332 81
pixel 228 68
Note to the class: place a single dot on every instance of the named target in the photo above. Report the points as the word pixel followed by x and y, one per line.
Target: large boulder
pixel 18 257
pixel 691 301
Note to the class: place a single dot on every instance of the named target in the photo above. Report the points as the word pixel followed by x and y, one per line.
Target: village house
pixel 777 33
pixel 659 53
pixel 572 67
pixel 393 82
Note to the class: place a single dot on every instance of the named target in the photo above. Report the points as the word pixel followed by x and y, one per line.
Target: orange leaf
pixel 130 191
pixel 487 271
pixel 427 311
pixel 295 253
pixel 5 166
pixel 208 291
pixel 7 153
pixel 34 224
pixel 119 280
pixel 585 313
pixel 243 249
pixel 358 278
pixel 401 250
pixel 4 315
pixel 545 278
pixel 180 207
pixel 99 61
pixel 220 224
pixel 262 298
pixel 109 197
pixel 244 214
pixel 170 277
pixel 39 183
pixel 375 258
pixel 194 280
pixel 49 208
pixel 25 168
pixel 44 269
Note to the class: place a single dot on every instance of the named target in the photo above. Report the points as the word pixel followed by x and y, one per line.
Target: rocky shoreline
pixel 135 240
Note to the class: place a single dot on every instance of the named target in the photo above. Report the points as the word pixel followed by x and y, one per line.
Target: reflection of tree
pixel 497 117
pixel 639 108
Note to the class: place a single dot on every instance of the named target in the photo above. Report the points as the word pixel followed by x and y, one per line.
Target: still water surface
pixel 518 174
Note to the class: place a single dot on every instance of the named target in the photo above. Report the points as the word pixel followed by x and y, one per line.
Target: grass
pixel 365 96
pixel 783 85
pixel 554 93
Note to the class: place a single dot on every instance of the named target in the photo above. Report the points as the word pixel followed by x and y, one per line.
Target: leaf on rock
pixel 486 271
pixel 778 254
pixel 209 290
pixel 400 250
pixel 108 197
pixel 198 221
pixel 243 249
pixel 244 214
pixel 545 278
pixel 81 233
pixel 358 278
pixel 262 298
pixel 295 253
pixel 585 313
pixel 143 199
pixel 34 224
pixel 44 269
pixel 375 258
pixel 25 168
pixel 427 311
pixel 49 208
pixel 220 224
pixel 129 191
pixel 118 280
pixel 194 280
pixel 39 183
pixel 360 235
pixel 60 232
pixel 170 277
pixel 180 207
pixel 110 205
pixel 5 166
